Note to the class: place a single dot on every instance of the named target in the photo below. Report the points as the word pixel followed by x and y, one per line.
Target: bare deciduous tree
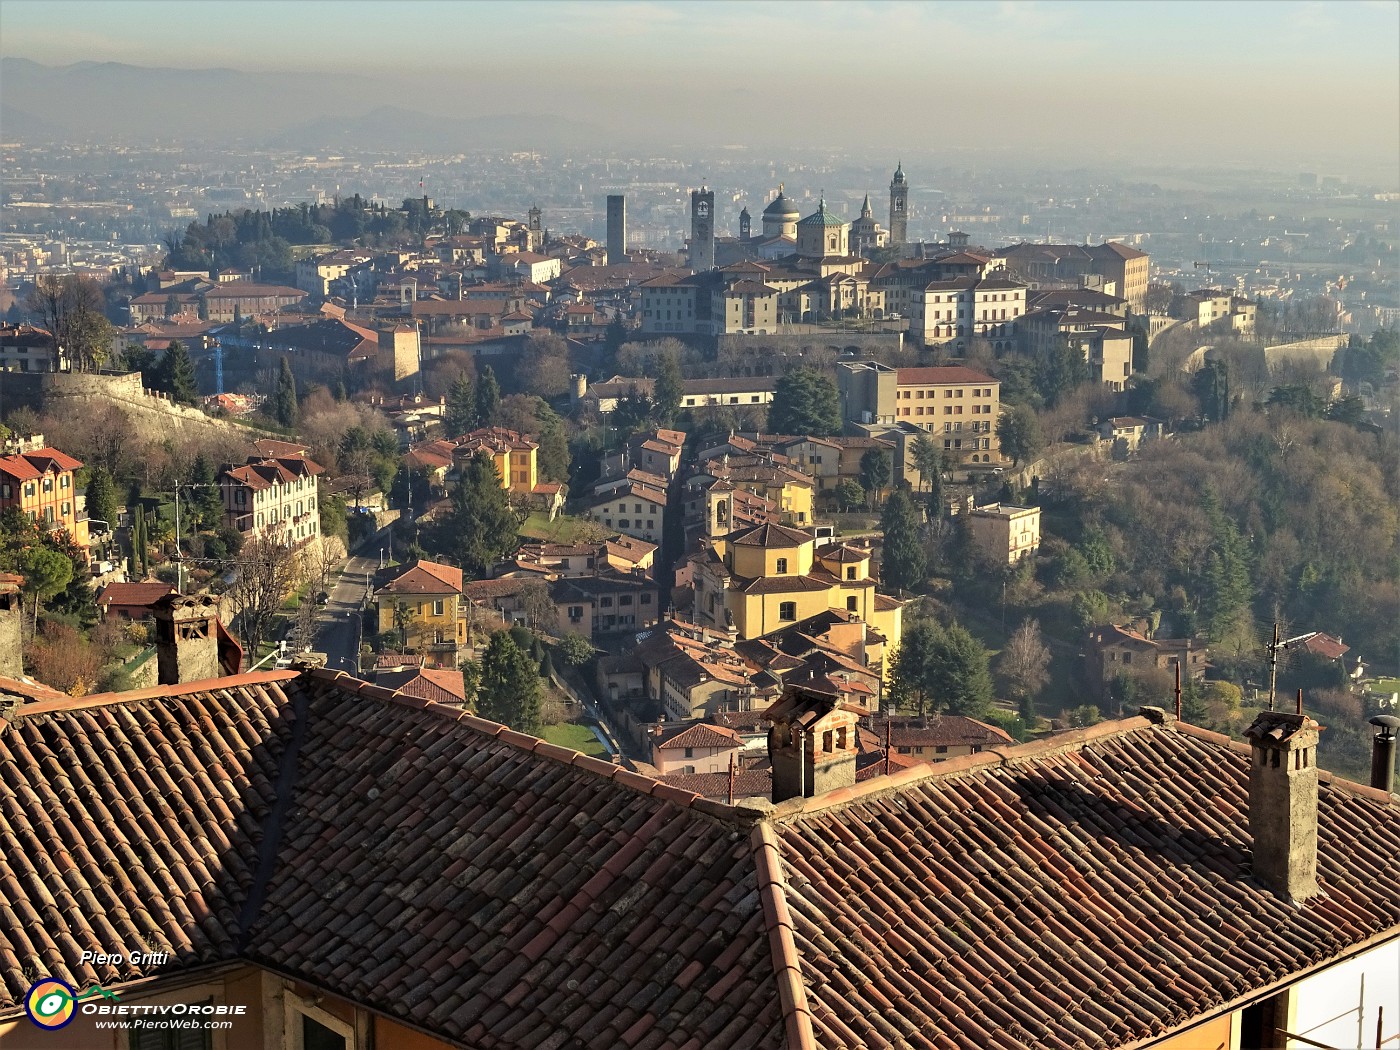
pixel 1025 662
pixel 267 572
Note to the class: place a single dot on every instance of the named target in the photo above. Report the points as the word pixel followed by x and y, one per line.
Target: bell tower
pixel 899 206
pixel 702 229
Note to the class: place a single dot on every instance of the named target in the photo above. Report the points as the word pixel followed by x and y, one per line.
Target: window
pixel 576 612
pixel 623 523
pixel 782 565
pixel 852 603
pixel 850 572
pixel 690 752
pixel 646 598
pixel 438 607
pixel 311 1028
pixel 48 484
pixel 626 599
pixel 941 749
pixel 826 741
pixel 787 611
pixel 605 602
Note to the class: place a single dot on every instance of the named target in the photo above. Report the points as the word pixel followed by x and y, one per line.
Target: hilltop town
pixel 744 532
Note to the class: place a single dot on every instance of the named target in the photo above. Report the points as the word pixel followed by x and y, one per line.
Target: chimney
pixel 812 743
pixel 1283 802
pixel 1383 752
pixel 187 643
pixel 11 619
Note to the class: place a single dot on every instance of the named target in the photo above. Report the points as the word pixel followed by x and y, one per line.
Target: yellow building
pixel 39 482
pixel 421 606
pixel 763 579
pixel 1004 534
pixel 789 489
pixel 514 455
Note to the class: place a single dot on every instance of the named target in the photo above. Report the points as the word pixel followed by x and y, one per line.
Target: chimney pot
pixel 1383 752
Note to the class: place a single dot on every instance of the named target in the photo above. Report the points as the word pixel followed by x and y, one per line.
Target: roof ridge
pixel 199 685
pixel 1325 775
pixel 634 781
pixel 777 921
pixel 1057 743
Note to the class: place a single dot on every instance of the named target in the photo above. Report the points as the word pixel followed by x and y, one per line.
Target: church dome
pixel 822 217
pixel 780 207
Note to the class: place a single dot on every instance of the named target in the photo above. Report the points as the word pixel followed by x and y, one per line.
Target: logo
pixel 51 1003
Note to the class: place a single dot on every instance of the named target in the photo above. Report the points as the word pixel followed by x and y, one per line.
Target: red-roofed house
pixel 698 748
pixel 442 685
pixel 275 495
pixel 421 605
pixel 40 483
pixel 132 600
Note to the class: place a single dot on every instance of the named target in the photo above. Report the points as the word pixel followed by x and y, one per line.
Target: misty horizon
pixel 1280 86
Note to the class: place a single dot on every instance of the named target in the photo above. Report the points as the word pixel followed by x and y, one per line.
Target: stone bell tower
pixel 899 206
pixel 702 229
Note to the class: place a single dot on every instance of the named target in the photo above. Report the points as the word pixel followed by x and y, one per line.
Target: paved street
pixel 339 634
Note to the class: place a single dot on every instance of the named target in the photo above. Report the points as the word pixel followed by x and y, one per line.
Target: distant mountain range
pixel 110 101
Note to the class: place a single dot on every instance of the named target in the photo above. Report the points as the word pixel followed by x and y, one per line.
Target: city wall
pixel 818 338
pixel 151 414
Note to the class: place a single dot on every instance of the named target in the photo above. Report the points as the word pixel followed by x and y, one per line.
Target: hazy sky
pixel 1201 78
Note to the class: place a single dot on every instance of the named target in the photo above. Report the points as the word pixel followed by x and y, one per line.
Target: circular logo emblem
pixel 50 1003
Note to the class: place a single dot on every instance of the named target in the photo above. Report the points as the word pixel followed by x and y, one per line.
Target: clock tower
pixel 899 206
pixel 702 229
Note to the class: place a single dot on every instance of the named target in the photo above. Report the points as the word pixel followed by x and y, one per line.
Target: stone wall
pixel 151 414
pixel 819 338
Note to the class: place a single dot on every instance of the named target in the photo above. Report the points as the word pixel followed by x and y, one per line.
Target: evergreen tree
pixel 1061 370
pixel 459 415
pixel 203 309
pixel 903 565
pixel 666 396
pixel 174 375
pixel 237 317
pixel 908 681
pixel 957 672
pixel 481 528
pixel 875 472
pixel 488 397
pixel 509 690
pixel 284 400
pixel 554 459
pixel 1211 385
pixel 102 497
pixel 805 402
pixel 928 460
pixel 208 501
pixel 1019 434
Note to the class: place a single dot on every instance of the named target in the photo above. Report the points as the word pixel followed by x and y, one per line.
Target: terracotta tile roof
pixel 1325 645
pixel 133 594
pixel 934 374
pixel 779 536
pixel 425 577
pixel 701 735
pixel 442 685
pixel 1090 889
pixel 942 731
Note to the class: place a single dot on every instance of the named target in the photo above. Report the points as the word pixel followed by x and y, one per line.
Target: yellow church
pixel 763 579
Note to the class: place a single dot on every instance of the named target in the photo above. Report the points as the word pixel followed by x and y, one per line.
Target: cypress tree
pixel 488 397
pixel 459 413
pixel 284 402
pixel 903 564
pixel 509 691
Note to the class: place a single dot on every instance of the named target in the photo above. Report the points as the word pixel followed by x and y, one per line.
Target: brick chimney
pixel 187 643
pixel 1283 802
pixel 812 742
pixel 11 619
